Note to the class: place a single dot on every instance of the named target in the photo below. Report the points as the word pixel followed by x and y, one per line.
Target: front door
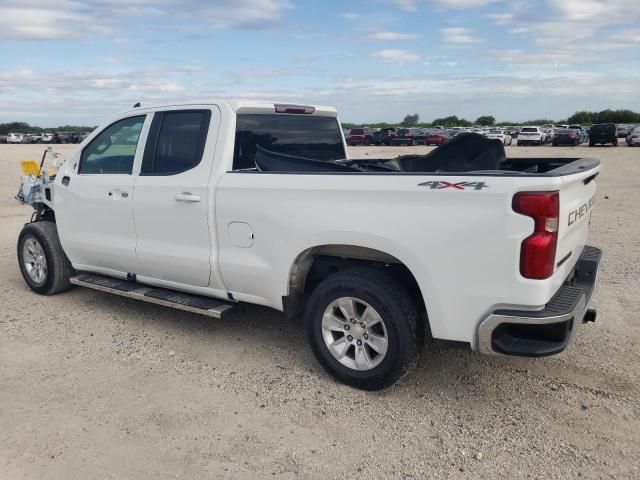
pixel 93 199
pixel 171 197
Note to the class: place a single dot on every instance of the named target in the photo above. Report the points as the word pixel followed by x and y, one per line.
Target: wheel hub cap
pixel 34 260
pixel 354 333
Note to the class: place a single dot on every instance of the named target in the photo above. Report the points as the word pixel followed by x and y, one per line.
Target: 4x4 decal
pixel 439 185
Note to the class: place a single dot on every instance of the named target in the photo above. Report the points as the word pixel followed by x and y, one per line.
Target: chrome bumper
pixel 547 331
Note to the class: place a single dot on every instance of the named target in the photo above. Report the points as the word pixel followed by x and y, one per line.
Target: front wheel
pixel 363 328
pixel 43 263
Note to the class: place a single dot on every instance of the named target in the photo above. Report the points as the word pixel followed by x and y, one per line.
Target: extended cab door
pixel 171 197
pixel 93 198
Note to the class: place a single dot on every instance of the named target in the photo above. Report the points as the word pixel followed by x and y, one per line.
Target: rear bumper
pixel 547 331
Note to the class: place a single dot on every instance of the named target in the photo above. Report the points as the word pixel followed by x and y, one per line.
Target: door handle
pixel 187 197
pixel 117 194
pixel 65 181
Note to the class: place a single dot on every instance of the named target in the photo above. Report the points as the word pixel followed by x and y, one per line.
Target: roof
pixel 239 106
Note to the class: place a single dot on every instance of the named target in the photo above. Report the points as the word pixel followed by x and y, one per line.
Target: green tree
pixel 486 120
pixel 410 120
pixel 451 121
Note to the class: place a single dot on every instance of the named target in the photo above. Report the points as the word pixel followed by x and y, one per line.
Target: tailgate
pixel 577 198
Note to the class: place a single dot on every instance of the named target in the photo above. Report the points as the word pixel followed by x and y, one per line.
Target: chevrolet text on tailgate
pixel 200 206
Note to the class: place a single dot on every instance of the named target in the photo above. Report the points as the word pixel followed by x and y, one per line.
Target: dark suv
pixel 384 136
pixel 603 133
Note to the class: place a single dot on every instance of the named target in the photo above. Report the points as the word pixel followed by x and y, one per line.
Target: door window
pixel 113 150
pixel 176 142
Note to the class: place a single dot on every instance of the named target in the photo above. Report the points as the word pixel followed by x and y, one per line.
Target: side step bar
pixel 210 307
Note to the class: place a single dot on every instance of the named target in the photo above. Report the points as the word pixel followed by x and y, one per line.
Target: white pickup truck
pixel 200 206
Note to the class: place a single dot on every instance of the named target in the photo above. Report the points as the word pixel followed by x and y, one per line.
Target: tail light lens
pixel 538 251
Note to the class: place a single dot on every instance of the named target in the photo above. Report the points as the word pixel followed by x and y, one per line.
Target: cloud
pixel 628 36
pixel 412 5
pixel 572 22
pixel 393 36
pixel 33 20
pixel 152 80
pixel 243 14
pixel 407 5
pixel 350 15
pixel 70 20
pixel 500 18
pixel 396 56
pixel 462 4
pixel 459 36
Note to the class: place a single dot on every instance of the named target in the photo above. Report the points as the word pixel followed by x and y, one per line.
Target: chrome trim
pixel 489 324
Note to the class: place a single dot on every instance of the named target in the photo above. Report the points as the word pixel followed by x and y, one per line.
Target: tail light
pixel 538 251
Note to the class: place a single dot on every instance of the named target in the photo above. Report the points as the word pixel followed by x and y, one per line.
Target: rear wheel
pixel 43 263
pixel 363 328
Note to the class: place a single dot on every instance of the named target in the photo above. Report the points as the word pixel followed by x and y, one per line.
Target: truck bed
pixel 465 154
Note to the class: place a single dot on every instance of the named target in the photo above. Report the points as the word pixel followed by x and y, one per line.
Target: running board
pixel 208 306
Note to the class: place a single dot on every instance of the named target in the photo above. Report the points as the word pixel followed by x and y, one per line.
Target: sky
pixel 79 62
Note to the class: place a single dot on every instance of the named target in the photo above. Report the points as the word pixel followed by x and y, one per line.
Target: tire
pixel 39 246
pixel 398 323
pixel 615 144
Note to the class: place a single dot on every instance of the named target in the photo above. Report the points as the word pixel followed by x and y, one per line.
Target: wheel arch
pixel 315 263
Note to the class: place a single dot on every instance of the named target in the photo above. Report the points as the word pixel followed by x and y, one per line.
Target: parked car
pixel 384 136
pixel 623 131
pixel 361 270
pixel 14 138
pixel 419 135
pixel 62 137
pixel 582 134
pixel 500 135
pixel 78 137
pixel 436 137
pixel 531 136
pixel 37 138
pixel 603 133
pixel 512 132
pixel 404 137
pixel 360 136
pixel 566 136
pixel 633 139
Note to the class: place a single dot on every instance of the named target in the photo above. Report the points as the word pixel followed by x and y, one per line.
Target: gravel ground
pixel 95 386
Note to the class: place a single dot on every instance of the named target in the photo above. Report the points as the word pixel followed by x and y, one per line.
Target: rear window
pixel 312 137
pixel 357 131
pixel 529 129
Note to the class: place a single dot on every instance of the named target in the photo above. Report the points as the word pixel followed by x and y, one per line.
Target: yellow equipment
pixel 30 167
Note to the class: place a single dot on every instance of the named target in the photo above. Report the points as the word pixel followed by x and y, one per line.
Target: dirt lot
pixel 93 386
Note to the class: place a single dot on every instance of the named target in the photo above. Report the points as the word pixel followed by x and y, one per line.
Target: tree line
pixel 580 118
pixel 23 127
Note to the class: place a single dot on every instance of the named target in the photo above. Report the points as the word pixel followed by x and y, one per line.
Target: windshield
pixel 357 131
pixel 312 137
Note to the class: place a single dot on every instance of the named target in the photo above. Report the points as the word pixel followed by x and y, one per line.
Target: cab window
pixel 113 150
pixel 176 142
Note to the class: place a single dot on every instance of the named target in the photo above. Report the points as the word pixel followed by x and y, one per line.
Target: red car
pixel 435 138
pixel 360 136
